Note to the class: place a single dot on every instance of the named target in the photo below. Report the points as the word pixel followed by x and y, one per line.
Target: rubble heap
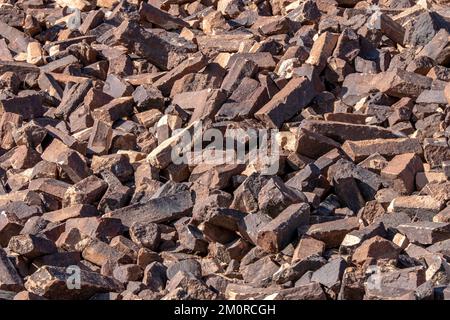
pixel 96 95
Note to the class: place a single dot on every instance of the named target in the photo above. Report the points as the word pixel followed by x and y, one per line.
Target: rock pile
pixel 96 97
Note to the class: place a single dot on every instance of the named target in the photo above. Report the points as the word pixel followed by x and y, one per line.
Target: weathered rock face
pixel 395 285
pixel 10 279
pixel 229 149
pixel 52 283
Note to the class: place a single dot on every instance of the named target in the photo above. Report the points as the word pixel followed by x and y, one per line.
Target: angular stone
pixel 263 60
pixel 101 138
pixel 424 26
pixel 117 164
pixel 330 275
pixel 191 266
pixel 96 227
pixel 10 279
pixel 285 104
pixel 51 282
pixel 72 98
pixel 100 253
pixel 354 238
pixel 161 156
pixel 246 195
pixel 29 107
pixel 401 170
pixel 333 232
pixel 147 235
pixel 239 70
pixel 192 238
pixel 86 191
pixel 92 20
pixel 274 236
pixel 250 226
pixel 127 273
pixel 436 151
pixel 306 247
pixel 395 285
pixel 425 232
pixel 359 150
pixel 442 216
pixel 114 110
pixel 275 196
pixel 186 285
pixel 311 291
pixel 322 49
pixel 31 246
pixel 9 226
pixel 52 187
pixel 18 41
pixel 155 276
pixel 309 144
pixel 165 50
pixel 401 241
pixel 422 207
pixel 224 42
pixel 147 97
pixel 161 18
pixel 375 248
pixel 297 270
pixel 73 211
pixel 116 196
pixel 347 46
pixel 192 64
pixel 259 271
pixel 401 83
pixel 341 132
pixel 392 29
pixel 21 157
pixel 367 181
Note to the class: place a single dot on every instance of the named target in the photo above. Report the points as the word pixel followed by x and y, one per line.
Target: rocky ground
pixel 93 205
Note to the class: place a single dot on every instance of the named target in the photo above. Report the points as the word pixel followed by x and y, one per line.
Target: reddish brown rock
pixel 286 103
pixel 55 284
pixel 333 232
pixel 306 247
pixel 102 168
pixel 274 236
pixel 375 248
pixel 401 170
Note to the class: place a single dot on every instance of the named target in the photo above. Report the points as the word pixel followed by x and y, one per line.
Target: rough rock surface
pixel 103 197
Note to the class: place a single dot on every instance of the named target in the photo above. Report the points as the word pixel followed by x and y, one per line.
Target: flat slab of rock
pixel 54 283
pixel 332 233
pixel 359 150
pixel 422 207
pixel 157 210
pixel 10 279
pixel 286 103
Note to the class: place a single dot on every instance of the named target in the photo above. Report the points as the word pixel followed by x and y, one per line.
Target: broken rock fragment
pixel 375 248
pixel 402 170
pixel 31 246
pixel 332 233
pixel 276 234
pixel 228 149
pixel 9 277
pixel 286 103
pixel 55 284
